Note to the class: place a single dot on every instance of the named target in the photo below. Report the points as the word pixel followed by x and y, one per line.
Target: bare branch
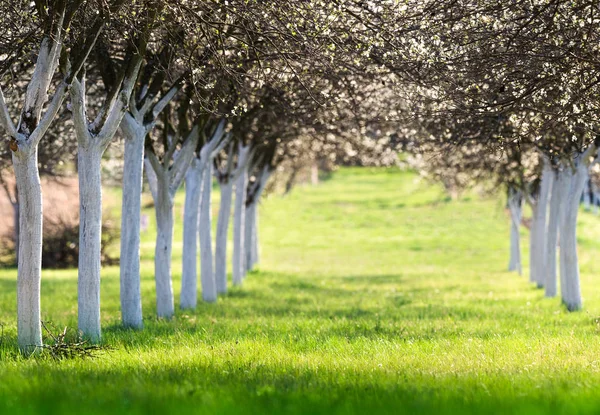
pixel 183 159
pixel 79 111
pixel 50 114
pixel 5 120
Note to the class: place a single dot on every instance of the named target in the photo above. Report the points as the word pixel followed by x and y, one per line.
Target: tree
pixel 143 113
pixel 541 74
pixel 93 139
pixel 197 219
pixel 51 27
pixel 166 171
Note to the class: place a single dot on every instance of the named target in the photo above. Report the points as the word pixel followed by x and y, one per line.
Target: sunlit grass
pixel 374 293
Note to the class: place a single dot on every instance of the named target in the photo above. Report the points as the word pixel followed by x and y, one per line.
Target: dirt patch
pixel 60 198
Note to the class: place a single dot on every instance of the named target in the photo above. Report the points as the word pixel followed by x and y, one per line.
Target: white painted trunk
pixel 221 239
pixel 253 217
pixel 248 235
pixel 569 278
pixel 239 225
pixel 255 246
pixel 314 174
pixel 90 234
pixel 209 286
pixel 534 240
pixel 164 179
pixel 515 207
pixel 30 251
pixel 587 195
pixel 131 295
pixel 189 277
pixel 16 227
pixel 538 263
pixel 560 189
pixel 162 254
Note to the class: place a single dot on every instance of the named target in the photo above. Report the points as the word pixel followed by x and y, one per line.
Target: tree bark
pixel 560 188
pixel 189 276
pixel 209 287
pixel 162 254
pixel 540 214
pixel 255 254
pixel 16 214
pixel 515 207
pixel 131 294
pixel 569 265
pixel 252 218
pixel 250 222
pixel 314 174
pixel 534 240
pixel 226 188
pixel 587 194
pixel 30 250
pixel 90 234
pixel 239 226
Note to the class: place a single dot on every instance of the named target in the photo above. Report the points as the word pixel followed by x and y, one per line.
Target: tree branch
pixel 50 114
pixel 153 169
pixel 183 159
pixel 5 120
pixel 78 110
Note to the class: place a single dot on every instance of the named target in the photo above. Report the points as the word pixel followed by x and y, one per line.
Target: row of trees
pixel 503 92
pixel 195 88
pixel 517 85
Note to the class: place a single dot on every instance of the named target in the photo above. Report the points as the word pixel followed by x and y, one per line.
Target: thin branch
pixel 183 159
pixel 5 120
pixel 79 111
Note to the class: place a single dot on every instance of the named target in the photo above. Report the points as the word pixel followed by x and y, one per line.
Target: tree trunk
pixel 221 239
pixel 534 239
pixel 560 189
pixel 587 194
pixel 515 207
pixel 30 250
pixel 193 186
pixel 255 247
pixel 90 234
pixel 209 287
pixel 538 253
pixel 239 226
pixel 248 235
pixel 16 231
pixel 314 174
pixel 131 295
pixel 162 254
pixel 569 266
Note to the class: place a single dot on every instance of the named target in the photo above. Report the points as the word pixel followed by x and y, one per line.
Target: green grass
pixel 374 294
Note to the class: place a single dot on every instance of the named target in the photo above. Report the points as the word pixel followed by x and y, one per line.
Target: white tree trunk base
pixel 239 225
pixel 29 328
pixel 560 188
pixel 515 208
pixel 90 234
pixel 209 286
pixel 189 277
pixel 131 292
pixel 569 276
pixel 221 237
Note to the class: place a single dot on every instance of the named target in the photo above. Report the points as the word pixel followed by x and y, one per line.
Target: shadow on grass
pixel 245 386
pixel 270 304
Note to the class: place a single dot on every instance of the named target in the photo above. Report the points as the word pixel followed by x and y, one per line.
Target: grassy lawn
pixel 374 293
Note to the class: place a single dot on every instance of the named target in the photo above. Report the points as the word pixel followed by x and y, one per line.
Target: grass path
pixel 374 293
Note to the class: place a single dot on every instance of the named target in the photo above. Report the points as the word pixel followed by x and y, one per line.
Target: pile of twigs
pixel 69 344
